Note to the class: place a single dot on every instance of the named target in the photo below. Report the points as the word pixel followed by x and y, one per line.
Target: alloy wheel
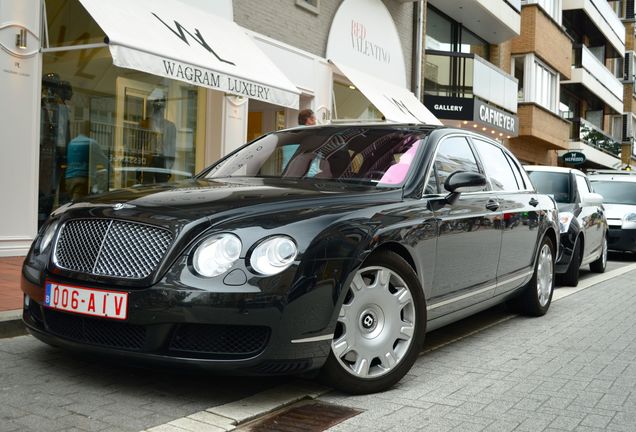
pixel 545 274
pixel 376 323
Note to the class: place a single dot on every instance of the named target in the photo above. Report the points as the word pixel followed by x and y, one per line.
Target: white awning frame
pixel 397 104
pixel 177 41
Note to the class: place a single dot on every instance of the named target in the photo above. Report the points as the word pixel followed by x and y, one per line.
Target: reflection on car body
pixel 332 248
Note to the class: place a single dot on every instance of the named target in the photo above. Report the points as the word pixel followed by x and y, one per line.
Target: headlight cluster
pixel 217 254
pixel 48 235
pixel 565 219
pixel 629 217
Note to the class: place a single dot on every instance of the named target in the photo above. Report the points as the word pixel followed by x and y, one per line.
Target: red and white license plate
pixel 87 301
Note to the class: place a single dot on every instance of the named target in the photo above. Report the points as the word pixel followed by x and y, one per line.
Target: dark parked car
pixel 581 220
pixel 332 247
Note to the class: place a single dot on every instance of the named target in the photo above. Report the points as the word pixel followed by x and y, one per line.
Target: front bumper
pixel 621 239
pixel 246 332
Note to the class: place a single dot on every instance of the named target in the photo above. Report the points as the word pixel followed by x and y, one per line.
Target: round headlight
pixel 630 217
pixel 565 219
pixel 216 255
pixel 48 235
pixel 273 255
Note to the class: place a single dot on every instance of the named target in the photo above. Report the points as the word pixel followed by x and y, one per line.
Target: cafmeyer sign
pixel 496 118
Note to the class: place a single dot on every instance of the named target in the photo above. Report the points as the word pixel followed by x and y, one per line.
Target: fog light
pixel 27 301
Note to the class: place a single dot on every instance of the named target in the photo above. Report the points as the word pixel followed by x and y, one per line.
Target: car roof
pixel 555 169
pixel 613 177
pixel 379 125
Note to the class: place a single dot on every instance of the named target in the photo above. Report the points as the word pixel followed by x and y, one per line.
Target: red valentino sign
pixel 366 47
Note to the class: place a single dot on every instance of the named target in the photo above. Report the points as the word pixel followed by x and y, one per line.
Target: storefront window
pixel 64 28
pixel 105 128
pixel 350 104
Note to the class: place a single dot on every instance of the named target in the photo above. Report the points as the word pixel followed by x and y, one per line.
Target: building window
pixel 518 67
pixel 551 7
pixel 310 5
pixel 350 104
pixel 546 83
pixel 445 34
pixel 537 83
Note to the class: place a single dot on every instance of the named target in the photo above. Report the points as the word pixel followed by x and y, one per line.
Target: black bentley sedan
pixel 330 247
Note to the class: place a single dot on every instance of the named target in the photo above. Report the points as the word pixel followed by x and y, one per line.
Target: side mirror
pixel 457 183
pixel 465 181
pixel 591 199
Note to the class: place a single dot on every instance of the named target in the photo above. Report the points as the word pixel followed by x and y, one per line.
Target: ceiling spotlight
pixel 352 87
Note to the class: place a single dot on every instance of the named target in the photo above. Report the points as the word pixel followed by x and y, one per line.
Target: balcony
pixel 467 75
pixel 604 18
pixel 589 134
pixel 599 148
pixel 589 72
pixel 495 21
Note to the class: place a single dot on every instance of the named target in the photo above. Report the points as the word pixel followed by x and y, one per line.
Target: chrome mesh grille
pixel 111 248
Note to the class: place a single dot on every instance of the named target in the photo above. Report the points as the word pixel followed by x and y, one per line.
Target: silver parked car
pixel 581 220
pixel 619 197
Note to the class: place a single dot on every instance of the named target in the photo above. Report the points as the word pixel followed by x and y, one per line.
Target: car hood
pixel 197 199
pixel 617 211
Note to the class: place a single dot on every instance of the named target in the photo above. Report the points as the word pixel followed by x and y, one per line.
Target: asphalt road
pixel 46 389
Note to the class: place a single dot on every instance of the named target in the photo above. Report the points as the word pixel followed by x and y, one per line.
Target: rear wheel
pixel 380 328
pixel 600 264
pixel 571 276
pixel 537 295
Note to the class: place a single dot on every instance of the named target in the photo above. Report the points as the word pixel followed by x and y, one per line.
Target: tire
pixel 380 328
pixel 571 276
pixel 600 264
pixel 536 296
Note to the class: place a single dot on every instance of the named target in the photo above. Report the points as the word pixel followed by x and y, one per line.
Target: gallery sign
pixel 450 108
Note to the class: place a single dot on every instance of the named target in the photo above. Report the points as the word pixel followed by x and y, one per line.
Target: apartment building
pixel 625 11
pixel 465 85
pixel 592 99
pixel 540 58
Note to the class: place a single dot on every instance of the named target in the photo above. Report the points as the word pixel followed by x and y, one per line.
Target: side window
pixel 453 154
pixel 516 171
pixel 582 185
pixel 497 167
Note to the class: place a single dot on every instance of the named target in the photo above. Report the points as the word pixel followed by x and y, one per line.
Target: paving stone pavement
pixel 46 389
pixel 571 370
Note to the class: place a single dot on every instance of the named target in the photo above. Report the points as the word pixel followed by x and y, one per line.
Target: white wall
pixel 20 71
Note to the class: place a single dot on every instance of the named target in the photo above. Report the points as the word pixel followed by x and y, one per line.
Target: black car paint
pixel 335 226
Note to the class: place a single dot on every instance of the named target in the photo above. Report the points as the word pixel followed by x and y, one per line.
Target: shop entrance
pixel 264 117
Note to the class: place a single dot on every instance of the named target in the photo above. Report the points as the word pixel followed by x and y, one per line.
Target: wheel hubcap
pixel 604 251
pixel 544 275
pixel 376 323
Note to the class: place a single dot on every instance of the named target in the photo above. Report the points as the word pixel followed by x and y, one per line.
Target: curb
pixel 11 324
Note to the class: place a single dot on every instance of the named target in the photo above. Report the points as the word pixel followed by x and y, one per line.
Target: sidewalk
pixel 10 294
pixel 10 297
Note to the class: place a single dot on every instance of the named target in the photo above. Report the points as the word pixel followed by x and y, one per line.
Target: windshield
pixel 552 183
pixel 380 156
pixel 615 192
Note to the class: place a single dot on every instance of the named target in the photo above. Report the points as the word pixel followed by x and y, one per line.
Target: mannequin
pixel 163 139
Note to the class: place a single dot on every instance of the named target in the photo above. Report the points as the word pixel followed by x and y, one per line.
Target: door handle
pixel 533 202
pixel 492 205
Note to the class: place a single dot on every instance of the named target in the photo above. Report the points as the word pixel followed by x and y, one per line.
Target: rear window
pixel 556 184
pixel 616 192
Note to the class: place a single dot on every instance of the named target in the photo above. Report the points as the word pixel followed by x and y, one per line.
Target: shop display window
pixel 351 104
pixel 105 128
